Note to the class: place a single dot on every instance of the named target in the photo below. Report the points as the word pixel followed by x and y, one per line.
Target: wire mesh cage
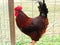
pixel 30 7
pixel 4 23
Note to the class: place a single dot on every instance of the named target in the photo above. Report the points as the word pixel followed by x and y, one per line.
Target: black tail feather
pixel 43 8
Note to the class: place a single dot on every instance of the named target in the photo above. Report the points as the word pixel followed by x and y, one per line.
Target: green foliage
pixel 45 40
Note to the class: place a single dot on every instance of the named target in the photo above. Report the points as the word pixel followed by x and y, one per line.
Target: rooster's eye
pixel 39 7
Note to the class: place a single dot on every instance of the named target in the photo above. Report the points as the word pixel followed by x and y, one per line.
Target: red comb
pixel 18 8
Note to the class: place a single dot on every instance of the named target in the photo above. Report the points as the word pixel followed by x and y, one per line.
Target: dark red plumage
pixel 33 27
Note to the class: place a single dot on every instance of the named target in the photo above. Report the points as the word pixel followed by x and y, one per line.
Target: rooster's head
pixel 18 8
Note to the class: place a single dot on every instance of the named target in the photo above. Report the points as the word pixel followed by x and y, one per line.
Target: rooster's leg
pixel 33 42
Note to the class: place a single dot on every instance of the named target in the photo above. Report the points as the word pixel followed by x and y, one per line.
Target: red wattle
pixel 16 13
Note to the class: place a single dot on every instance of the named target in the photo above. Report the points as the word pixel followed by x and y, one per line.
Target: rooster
pixel 33 27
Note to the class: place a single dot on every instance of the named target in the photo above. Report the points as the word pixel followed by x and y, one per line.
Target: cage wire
pixel 54 20
pixel 4 23
pixel 52 35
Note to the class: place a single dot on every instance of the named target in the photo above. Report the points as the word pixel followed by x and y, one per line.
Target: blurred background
pixel 30 7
